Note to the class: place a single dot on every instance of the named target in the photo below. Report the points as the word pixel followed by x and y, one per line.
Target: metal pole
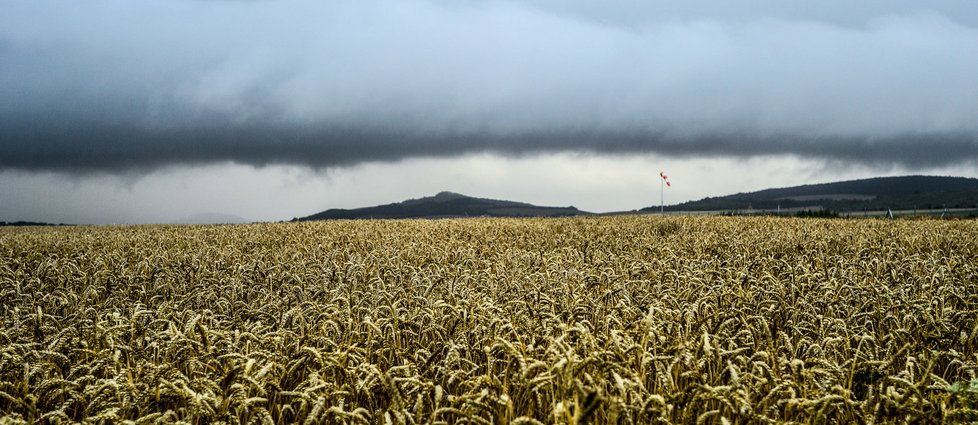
pixel 662 197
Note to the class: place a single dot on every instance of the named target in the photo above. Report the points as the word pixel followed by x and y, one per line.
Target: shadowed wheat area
pixel 583 320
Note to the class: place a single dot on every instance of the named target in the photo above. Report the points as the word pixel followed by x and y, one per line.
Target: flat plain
pixel 636 319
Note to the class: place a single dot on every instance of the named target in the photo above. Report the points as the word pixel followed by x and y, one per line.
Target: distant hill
pixel 897 193
pixel 447 204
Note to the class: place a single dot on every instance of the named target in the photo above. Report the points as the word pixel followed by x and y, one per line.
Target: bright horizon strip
pixel 594 183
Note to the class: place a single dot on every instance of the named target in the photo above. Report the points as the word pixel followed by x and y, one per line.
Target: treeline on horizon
pixel 29 223
pixel 882 203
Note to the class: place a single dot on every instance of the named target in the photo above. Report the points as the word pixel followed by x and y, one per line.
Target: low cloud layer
pixel 589 182
pixel 117 85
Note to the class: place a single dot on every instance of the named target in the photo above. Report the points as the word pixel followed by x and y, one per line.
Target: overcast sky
pixel 148 111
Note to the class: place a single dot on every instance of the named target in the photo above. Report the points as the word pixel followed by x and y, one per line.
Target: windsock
pixel 665 178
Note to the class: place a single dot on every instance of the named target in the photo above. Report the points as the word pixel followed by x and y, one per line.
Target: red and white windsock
pixel 665 178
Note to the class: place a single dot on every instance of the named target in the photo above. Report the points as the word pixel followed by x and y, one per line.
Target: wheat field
pixel 490 321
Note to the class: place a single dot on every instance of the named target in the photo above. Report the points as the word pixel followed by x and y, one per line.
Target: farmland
pixel 633 319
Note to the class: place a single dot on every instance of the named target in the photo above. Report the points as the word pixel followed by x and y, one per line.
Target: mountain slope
pixel 447 204
pixel 906 192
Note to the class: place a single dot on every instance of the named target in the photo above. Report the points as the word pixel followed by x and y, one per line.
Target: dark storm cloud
pixel 122 85
pixel 86 147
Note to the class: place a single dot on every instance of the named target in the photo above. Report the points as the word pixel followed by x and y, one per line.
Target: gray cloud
pixel 119 85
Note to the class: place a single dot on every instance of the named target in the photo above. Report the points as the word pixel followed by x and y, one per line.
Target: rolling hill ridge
pixel 446 205
pixel 881 193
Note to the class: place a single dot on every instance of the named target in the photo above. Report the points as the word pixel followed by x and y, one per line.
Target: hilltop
pixel 445 205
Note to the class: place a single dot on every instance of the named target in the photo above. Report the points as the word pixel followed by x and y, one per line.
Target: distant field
pixel 791 212
pixel 628 319
pixel 950 213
